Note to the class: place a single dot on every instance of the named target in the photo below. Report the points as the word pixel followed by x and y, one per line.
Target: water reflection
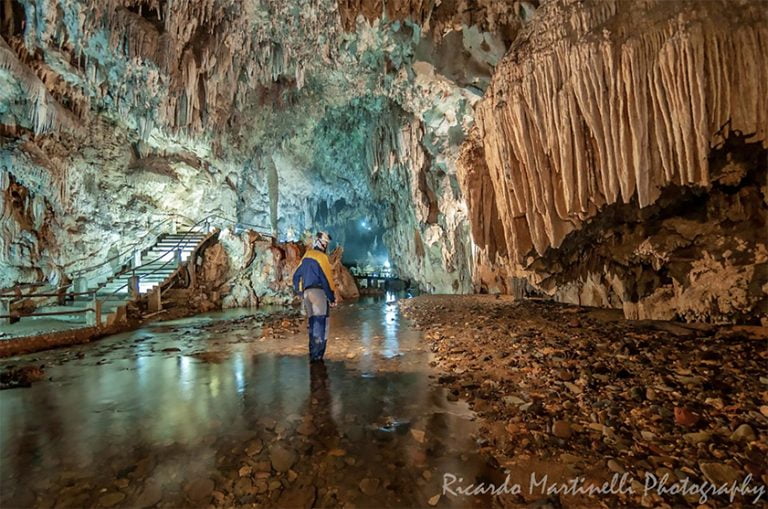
pixel 131 412
pixel 391 343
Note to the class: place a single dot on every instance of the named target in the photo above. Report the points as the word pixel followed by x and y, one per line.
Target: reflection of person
pixel 318 385
pixel 320 406
pixel 314 281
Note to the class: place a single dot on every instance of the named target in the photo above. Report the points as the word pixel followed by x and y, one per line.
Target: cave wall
pixel 499 146
pixel 65 210
pixel 115 114
pixel 622 147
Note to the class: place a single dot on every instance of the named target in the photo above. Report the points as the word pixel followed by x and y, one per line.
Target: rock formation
pixel 285 116
pixel 608 153
pixel 622 147
pixel 251 270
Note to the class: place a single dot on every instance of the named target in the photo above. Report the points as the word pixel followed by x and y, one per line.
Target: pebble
pixel 244 486
pixel 306 428
pixel 254 447
pixel 151 495
pixel 418 435
pixel 570 458
pixel 685 418
pixel 615 466
pixel 743 433
pixel 719 473
pixel 282 458
pixel 110 499
pixel 574 388
pixel 369 485
pixel 562 429
pixel 513 400
pixel 697 438
pixel 199 489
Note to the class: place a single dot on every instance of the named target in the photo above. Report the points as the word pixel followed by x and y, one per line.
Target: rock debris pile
pixel 601 396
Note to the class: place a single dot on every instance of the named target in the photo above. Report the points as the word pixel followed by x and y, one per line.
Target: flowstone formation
pixel 620 160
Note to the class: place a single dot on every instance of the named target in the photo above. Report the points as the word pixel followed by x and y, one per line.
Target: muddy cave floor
pixel 224 410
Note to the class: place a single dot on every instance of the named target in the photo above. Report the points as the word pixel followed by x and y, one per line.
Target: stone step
pixel 113 301
pixel 142 278
pixel 169 244
pixel 184 235
pixel 112 290
pixel 168 250
pixel 154 269
pixel 69 313
pixel 192 237
pixel 173 246
pixel 150 270
pixel 149 267
pixel 191 240
pixel 123 287
pixel 119 293
pixel 163 256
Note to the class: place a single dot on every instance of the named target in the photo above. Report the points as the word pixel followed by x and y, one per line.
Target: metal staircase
pixel 149 269
pixel 99 295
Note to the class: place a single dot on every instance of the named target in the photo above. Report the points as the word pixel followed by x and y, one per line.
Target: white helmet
pixel 322 239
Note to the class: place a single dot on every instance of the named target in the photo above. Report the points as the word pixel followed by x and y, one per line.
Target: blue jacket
pixel 315 272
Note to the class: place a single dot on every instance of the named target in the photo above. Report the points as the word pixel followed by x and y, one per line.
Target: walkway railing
pixel 14 291
pixel 174 250
pixel 11 295
pixel 373 272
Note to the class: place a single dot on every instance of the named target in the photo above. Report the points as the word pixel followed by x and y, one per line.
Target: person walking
pixel 313 280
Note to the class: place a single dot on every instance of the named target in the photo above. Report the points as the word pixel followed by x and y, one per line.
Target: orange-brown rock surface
pixel 615 138
pixel 252 270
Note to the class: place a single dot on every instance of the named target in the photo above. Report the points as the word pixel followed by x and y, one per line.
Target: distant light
pixel 387 264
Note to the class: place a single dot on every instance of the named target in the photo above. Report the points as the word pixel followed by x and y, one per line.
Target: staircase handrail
pixel 161 255
pixel 130 248
pixel 13 290
pixel 16 289
pixel 254 227
pixel 172 249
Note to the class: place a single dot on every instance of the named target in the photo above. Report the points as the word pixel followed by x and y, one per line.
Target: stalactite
pixel 572 123
pixel 595 175
pixel 43 111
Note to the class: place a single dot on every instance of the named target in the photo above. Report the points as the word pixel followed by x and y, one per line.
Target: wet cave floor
pixel 224 410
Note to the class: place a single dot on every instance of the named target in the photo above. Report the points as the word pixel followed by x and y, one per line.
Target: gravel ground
pixel 605 398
